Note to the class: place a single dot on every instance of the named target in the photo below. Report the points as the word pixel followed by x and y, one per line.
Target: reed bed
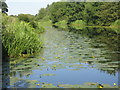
pixel 19 38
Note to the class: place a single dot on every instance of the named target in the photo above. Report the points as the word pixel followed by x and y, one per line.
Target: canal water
pixel 69 56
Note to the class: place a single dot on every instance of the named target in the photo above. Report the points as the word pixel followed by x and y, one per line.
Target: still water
pixel 69 56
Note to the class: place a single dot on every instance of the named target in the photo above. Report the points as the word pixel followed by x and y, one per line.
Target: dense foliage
pixel 3 6
pixel 20 32
pixel 92 13
pixel 19 37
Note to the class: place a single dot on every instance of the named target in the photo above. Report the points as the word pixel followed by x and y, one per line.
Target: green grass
pixel 19 38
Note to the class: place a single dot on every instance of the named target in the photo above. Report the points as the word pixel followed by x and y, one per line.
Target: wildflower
pixel 114 84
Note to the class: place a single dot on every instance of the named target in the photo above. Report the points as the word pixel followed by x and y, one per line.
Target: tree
pixel 108 12
pixel 25 17
pixel 4 7
pixel 42 13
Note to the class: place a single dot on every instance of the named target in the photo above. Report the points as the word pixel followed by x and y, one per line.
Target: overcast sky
pixel 27 6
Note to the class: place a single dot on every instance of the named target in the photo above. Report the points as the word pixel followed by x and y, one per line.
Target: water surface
pixel 70 56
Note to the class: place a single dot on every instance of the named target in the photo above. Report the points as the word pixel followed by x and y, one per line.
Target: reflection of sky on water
pixel 81 76
pixel 76 60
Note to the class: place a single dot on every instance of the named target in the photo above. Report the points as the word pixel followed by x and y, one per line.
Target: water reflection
pixel 107 41
pixel 72 54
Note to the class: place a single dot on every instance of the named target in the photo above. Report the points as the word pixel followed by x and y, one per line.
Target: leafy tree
pixel 42 13
pixel 92 13
pixel 25 17
pixel 3 7
pixel 108 12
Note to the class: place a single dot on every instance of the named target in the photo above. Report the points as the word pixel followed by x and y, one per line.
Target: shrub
pixel 78 24
pixel 62 24
pixel 39 28
pixel 19 38
pixel 115 26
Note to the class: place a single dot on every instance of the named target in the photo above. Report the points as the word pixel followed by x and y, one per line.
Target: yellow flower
pixel 37 65
pixel 57 57
pixel 54 66
pixel 43 58
pixel 93 56
pixel 38 84
pixel 100 87
pixel 114 84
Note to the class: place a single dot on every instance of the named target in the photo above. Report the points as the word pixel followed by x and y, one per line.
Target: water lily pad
pixel 74 69
pixel 13 80
pixel 48 74
pixel 23 67
pixel 108 69
pixel 108 86
pixel 77 65
pixel 27 74
pixel 69 86
pixel 110 66
pixel 49 86
pixel 114 62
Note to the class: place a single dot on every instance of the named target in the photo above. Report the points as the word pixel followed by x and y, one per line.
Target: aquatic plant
pixel 19 38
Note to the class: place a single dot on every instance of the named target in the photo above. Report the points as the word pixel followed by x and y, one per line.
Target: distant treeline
pixel 92 13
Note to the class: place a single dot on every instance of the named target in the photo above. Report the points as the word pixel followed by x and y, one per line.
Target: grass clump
pixel 19 38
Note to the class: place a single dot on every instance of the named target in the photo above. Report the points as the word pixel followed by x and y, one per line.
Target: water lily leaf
pixel 13 80
pixel 48 74
pixel 23 67
pixel 110 66
pixel 108 86
pixel 69 86
pixel 58 66
pixel 107 69
pixel 48 86
pixel 32 81
pixel 73 69
pixel 77 65
pixel 27 74
pixel 114 62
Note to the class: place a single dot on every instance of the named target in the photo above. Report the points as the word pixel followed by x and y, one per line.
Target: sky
pixel 16 7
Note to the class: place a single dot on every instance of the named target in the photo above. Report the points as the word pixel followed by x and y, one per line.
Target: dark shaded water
pixel 70 56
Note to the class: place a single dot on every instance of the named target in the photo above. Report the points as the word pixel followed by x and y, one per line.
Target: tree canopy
pixel 93 13
pixel 3 6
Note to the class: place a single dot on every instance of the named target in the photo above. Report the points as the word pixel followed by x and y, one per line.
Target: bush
pixel 115 26
pixel 78 24
pixel 19 38
pixel 39 28
pixel 62 24
pixel 116 23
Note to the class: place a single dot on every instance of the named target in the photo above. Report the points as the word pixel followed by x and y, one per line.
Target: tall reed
pixel 19 38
